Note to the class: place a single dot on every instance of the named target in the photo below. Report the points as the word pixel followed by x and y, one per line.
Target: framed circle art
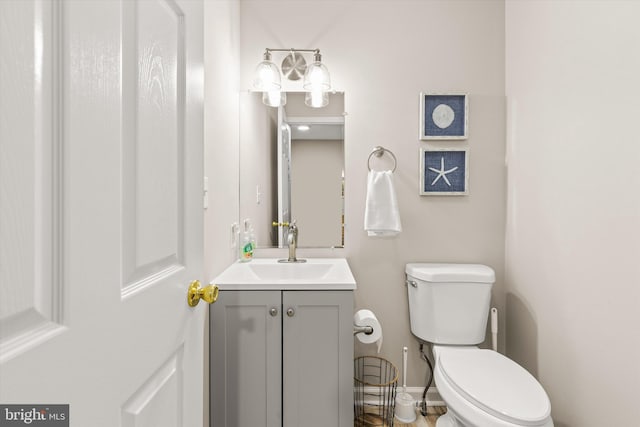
pixel 443 116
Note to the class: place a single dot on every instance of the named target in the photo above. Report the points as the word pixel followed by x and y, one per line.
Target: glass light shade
pixel 317 77
pixel 316 98
pixel 274 98
pixel 267 77
pixel 316 82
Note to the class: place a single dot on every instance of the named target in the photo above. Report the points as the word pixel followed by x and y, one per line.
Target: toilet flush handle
pixel 411 282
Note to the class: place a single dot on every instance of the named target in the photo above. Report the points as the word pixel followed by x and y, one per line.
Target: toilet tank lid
pixel 432 272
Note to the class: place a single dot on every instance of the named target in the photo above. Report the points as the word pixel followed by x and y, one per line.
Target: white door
pixel 101 210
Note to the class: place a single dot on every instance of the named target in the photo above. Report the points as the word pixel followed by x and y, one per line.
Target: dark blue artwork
pixel 444 116
pixel 444 172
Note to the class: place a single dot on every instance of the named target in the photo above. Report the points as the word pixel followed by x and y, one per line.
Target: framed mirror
pixel 292 168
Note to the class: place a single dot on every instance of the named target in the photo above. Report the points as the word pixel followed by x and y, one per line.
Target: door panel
pixel 104 224
pixel 31 291
pixel 153 140
pixel 154 403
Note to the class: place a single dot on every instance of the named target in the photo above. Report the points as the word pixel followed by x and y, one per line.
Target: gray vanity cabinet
pixel 282 359
pixel 245 359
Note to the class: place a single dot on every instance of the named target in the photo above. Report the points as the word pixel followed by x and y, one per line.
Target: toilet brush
pixel 405 406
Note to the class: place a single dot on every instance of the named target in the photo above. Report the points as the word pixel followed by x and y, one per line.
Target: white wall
pixel 383 54
pixel 573 222
pixel 221 132
pixel 258 165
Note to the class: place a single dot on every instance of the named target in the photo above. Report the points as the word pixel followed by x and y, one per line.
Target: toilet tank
pixel 449 303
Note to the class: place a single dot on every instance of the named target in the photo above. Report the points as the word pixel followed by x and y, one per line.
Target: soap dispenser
pixel 246 244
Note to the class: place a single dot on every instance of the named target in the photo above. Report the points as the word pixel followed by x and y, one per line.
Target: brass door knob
pixel 196 293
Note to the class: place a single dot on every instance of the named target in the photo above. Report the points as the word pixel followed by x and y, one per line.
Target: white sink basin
pixel 290 271
pixel 268 273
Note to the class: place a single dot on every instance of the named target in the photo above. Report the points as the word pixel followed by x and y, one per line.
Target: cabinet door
pixel 317 358
pixel 246 359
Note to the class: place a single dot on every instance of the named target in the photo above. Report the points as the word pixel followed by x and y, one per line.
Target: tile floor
pixel 429 421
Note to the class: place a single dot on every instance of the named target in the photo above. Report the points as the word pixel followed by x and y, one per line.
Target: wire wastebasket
pixel 374 391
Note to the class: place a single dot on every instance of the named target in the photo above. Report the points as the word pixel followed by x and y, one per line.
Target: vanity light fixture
pixel 316 79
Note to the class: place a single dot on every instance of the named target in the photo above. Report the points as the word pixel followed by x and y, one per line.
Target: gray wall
pixel 383 54
pixel 573 222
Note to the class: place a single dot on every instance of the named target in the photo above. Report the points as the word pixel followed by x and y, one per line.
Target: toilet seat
pixel 495 384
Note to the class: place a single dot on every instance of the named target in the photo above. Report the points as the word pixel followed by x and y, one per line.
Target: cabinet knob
pixel 290 312
pixel 273 311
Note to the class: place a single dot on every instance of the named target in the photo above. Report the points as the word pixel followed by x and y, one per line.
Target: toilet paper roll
pixel 367 318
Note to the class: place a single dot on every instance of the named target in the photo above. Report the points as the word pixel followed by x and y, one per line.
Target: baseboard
pixel 433 397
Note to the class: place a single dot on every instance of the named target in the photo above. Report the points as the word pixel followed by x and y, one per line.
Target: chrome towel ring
pixel 378 152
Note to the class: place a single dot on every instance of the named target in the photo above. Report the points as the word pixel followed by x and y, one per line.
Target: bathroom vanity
pixel 281 339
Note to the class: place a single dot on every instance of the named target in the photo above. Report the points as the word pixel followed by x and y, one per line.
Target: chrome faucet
pixel 292 241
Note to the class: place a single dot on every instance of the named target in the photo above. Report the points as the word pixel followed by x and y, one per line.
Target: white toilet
pixel 449 307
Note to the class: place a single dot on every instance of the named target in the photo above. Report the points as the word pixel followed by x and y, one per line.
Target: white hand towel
pixel 381 214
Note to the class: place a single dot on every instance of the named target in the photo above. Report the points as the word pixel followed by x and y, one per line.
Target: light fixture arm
pixel 269 50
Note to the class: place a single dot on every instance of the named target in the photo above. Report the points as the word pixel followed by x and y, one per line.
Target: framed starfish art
pixel 443 116
pixel 444 172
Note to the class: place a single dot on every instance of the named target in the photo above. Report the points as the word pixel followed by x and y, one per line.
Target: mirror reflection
pixel 292 168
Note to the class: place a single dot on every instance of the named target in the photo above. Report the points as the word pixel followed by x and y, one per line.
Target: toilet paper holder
pixel 367 330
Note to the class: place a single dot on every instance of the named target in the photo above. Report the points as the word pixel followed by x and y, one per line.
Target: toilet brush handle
pixel 494 328
pixel 404 368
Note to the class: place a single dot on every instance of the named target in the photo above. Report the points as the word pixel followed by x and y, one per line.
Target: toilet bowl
pixel 485 389
pixel 449 307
